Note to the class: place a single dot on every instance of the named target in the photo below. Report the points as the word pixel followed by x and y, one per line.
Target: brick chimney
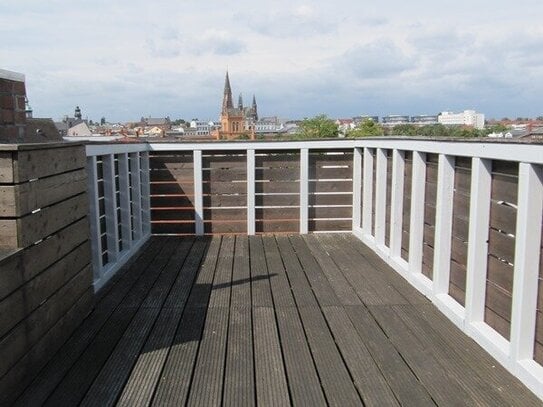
pixel 12 107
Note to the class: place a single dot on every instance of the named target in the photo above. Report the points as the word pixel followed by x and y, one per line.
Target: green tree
pixel 404 130
pixel 368 128
pixel 318 127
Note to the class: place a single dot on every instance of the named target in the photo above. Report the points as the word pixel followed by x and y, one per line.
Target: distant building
pixel 395 119
pixel 269 125
pixel 360 119
pixel 345 125
pixel 79 130
pixel 201 128
pixel 424 119
pixel 236 122
pixel 466 118
pixel 69 122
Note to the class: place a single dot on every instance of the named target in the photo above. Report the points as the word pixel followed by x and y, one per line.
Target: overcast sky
pixel 125 59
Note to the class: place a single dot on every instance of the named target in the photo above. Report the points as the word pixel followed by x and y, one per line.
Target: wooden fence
pixel 45 271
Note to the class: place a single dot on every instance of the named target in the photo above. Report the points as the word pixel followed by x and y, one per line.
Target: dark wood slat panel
pixel 504 188
pixel 278 174
pixel 227 227
pixel 498 302
pixel 181 201
pixel 457 279
pixel 165 174
pixel 230 159
pixel 277 187
pixel 225 214
pixel 330 212
pixel 274 226
pixel 501 325
pixel 500 273
pixel 277 200
pixel 318 225
pixel 173 228
pixel 330 199
pixel 330 186
pixel 224 174
pixel 501 246
pixel 224 187
pixel 43 163
pixel 173 214
pixel 503 217
pixel 331 171
pixel 292 214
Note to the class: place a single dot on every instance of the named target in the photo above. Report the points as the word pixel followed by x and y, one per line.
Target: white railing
pixel 379 192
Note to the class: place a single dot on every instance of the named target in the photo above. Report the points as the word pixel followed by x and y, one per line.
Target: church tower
pixel 227 95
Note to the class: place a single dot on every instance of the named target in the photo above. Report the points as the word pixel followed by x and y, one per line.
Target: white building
pixel 201 128
pixel 269 125
pixel 466 118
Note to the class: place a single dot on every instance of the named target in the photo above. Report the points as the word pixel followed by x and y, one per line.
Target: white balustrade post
pixel 527 252
pixel 416 224
pixel 198 193
pixel 357 188
pixel 304 191
pixel 367 200
pixel 380 196
pixel 396 203
pixel 135 180
pixel 443 222
pixel 124 197
pixel 251 229
pixel 94 217
pixel 479 218
pixel 110 203
pixel 145 193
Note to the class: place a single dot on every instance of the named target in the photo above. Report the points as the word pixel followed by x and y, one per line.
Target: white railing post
pixel 94 217
pixel 135 180
pixel 357 188
pixel 527 252
pixel 443 229
pixel 304 191
pixel 124 197
pixel 145 193
pixel 367 200
pixel 198 193
pixel 416 224
pixel 380 196
pixel 396 203
pixel 251 229
pixel 110 203
pixel 479 218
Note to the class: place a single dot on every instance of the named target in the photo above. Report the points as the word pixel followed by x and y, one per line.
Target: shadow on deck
pixel 276 320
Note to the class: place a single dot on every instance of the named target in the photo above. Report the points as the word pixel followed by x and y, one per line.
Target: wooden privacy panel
pixel 430 194
pixel 538 342
pixel 277 191
pixel 408 172
pixel 460 229
pixel 224 177
pixel 172 192
pixel 501 246
pixel 330 190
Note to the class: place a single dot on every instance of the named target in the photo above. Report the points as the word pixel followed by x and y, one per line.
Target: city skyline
pixel 129 59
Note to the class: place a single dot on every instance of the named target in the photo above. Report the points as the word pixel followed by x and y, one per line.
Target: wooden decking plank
pixel 370 382
pixel 443 388
pixel 239 386
pixel 143 379
pixel 271 381
pixel 476 358
pixel 399 376
pixel 174 383
pixel 260 280
pixel 40 389
pixel 335 379
pixel 463 374
pixel 384 289
pixel 280 287
pixel 303 381
pixel 241 274
pixel 399 283
pixel 222 283
pixel 303 294
pixel 338 282
pixel 318 281
pixel 78 379
pixel 207 383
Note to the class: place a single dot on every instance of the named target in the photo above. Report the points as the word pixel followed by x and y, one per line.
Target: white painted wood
pixel 304 191
pixel 416 223
pixel 443 222
pixel 396 203
pixel 124 198
pixel 114 148
pixel 357 188
pixel 110 203
pixel 380 196
pixel 145 193
pixel 135 180
pixel 94 217
pixel 251 227
pixel 527 252
pixel 198 193
pixel 479 217
pixel 367 193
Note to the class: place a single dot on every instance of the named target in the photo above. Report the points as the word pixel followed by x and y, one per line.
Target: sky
pixel 125 59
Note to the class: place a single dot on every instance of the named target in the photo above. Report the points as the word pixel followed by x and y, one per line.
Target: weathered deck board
pixel 268 320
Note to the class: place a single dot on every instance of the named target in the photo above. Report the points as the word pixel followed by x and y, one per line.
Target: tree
pixel 318 127
pixel 102 121
pixel 367 128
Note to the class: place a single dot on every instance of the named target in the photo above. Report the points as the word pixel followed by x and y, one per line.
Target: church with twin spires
pixel 236 122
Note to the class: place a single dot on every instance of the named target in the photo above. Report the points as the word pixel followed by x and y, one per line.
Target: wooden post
pixel 396 203
pixel 251 229
pixel 416 225
pixel 304 190
pixel 367 195
pixel 380 197
pixel 198 193
pixel 357 188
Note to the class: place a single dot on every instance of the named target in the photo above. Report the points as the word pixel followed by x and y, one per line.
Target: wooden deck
pixel 299 320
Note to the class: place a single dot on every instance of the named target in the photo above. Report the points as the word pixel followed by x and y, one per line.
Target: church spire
pixel 240 102
pixel 227 96
pixel 254 108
